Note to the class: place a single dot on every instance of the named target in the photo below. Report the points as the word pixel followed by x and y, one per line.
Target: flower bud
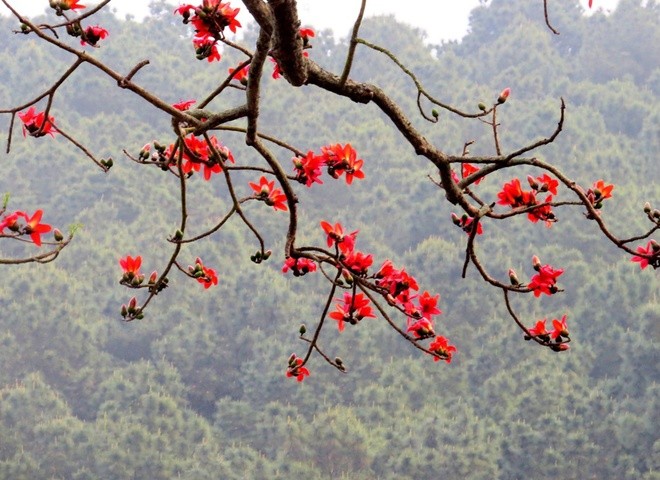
pixel 532 182
pixel 435 113
pixel 132 303
pixel 647 208
pixel 153 277
pixel 482 106
pixel 178 235
pixel 455 219
pixel 655 246
pixel 292 359
pixel 513 278
pixel 504 95
pixel 302 330
pixel 57 235
pixel 124 311
pixel 536 263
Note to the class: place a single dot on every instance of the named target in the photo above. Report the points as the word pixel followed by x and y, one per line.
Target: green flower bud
pixel 302 330
pixel 482 106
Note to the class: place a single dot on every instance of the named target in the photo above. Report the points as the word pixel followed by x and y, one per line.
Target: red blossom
pixel 545 183
pixel 240 75
pixel 358 262
pixel 342 159
pixel 538 329
pixel 465 222
pixel 308 168
pixel 10 221
pixel 649 255
pixel 67 4
pixel 92 34
pixel 35 124
pixel 545 281
pixel 345 242
pixel 299 266
pixel 422 328
pixel 198 153
pixel 441 348
pixel 206 48
pixel 559 328
pixel 468 169
pixel 306 33
pixel 601 190
pixel 351 309
pixel 296 369
pixel 428 305
pixel 131 268
pixel 203 274
pixel 184 105
pixel 34 228
pixel 271 196
pixel 397 282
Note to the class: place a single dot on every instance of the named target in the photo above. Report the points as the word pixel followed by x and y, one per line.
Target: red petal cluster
pixel 267 193
pixel 35 123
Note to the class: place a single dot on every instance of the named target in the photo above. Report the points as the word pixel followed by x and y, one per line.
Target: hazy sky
pixel 441 19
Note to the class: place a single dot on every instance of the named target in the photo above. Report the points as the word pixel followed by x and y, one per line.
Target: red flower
pixel 67 4
pixel 544 183
pixel 203 274
pixel 511 194
pixel 296 369
pixel 351 309
pixel 545 281
pixel 299 266
pixel 306 33
pixel 468 169
pixel 205 47
pixel 267 193
pixel 35 124
pixel 397 282
pixel 10 221
pixel 601 190
pixel 440 346
pixel 651 254
pixel 130 264
pixel 198 153
pixel 543 213
pixel 92 34
pixel 184 105
pixel 34 228
pixel 538 329
pixel 340 159
pixel 422 328
pixel 358 262
pixel 559 328
pixel 241 75
pixel 590 2
pixel 427 305
pixel 308 168
pixel 336 235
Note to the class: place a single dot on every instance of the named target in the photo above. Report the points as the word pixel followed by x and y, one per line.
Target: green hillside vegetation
pixel 197 389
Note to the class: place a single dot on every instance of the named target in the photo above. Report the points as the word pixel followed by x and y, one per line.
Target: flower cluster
pixel 203 274
pixel 351 309
pixel 209 21
pixel 338 160
pixel 299 266
pixel 597 193
pixel 514 196
pixel 35 123
pixel 267 193
pixel 31 225
pixel 545 281
pixel 559 334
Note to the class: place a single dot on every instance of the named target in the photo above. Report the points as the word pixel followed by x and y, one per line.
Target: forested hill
pixel 197 389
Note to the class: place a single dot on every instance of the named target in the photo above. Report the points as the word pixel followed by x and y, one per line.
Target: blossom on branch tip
pixel 35 228
pixel 206 48
pixel 10 221
pixel 267 193
pixel 240 75
pixel 308 168
pixel 422 328
pixel 559 328
pixel 130 266
pixel 66 4
pixel 358 263
pixel 441 348
pixel 342 159
pixel 649 255
pixel 35 124
pixel 504 95
pixel 468 169
pixel 203 274
pixel 351 309
pixel 336 236
pixel 296 369
pixel 539 329
pixel 545 281
pixel 299 266
pixel 92 34
pixel 184 105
